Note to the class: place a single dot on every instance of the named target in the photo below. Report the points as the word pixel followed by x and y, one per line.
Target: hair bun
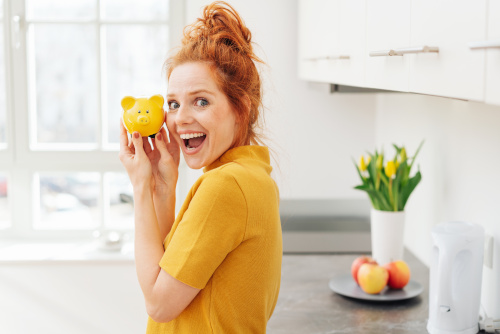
pixel 221 24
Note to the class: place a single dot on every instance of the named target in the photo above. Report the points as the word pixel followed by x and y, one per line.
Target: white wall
pixel 314 134
pixel 459 162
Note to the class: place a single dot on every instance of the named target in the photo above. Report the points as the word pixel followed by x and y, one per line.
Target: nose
pixel 183 116
pixel 143 120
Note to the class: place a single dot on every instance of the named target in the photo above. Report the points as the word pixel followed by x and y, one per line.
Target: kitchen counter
pixel 306 304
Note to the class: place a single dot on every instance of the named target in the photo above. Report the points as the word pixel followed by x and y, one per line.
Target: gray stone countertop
pixel 306 305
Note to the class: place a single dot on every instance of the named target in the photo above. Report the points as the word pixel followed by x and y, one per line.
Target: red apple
pixel 399 274
pixel 357 263
pixel 372 278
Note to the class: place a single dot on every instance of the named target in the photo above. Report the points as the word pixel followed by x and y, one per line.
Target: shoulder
pixel 222 180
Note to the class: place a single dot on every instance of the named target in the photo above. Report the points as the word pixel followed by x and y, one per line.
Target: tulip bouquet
pixel 388 185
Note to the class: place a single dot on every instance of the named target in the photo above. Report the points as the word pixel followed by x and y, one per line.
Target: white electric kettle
pixel 455 278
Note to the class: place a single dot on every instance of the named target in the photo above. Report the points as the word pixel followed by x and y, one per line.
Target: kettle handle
pixel 444 271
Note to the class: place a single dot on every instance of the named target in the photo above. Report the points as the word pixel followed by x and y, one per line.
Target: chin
pixel 194 163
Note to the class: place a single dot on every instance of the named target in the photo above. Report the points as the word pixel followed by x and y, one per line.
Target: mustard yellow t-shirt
pixel 226 240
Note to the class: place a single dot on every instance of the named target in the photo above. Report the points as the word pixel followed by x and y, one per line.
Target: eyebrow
pixel 194 92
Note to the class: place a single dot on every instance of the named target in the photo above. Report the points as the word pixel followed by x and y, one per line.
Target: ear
pixel 128 102
pixel 157 99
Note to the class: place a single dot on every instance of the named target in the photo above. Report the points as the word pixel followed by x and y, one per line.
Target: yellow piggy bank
pixel 144 115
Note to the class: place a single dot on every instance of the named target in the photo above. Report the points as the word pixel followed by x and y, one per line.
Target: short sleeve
pixel 212 226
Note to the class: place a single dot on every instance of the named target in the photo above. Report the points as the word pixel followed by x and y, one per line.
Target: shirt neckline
pixel 254 152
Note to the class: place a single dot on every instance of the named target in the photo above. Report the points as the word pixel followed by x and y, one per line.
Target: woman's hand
pixel 164 158
pixel 158 166
pixel 134 159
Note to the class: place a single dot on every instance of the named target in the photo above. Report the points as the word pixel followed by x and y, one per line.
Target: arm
pixel 165 174
pixel 164 164
pixel 164 204
pixel 165 296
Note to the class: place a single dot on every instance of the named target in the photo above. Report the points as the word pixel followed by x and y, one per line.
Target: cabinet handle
pixel 484 45
pixel 418 49
pixel 403 51
pixel 337 57
pixel 385 53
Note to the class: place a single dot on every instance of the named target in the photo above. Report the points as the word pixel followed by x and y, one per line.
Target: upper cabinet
pixel 331 41
pixel 438 47
pixel 448 26
pixel 492 48
pixel 387 29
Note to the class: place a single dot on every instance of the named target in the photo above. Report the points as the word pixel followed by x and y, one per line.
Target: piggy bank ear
pixel 128 102
pixel 157 99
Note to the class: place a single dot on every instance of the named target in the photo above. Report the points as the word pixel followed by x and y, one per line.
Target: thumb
pixel 138 144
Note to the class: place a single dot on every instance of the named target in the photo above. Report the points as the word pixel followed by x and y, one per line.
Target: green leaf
pixel 398 150
pixel 368 190
pixel 409 187
pixel 384 205
pixel 359 172
pixel 415 156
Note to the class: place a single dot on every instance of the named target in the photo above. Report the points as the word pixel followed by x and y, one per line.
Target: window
pixel 64 67
pixel 3 111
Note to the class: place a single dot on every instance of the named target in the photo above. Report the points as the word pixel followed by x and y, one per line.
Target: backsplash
pixel 459 164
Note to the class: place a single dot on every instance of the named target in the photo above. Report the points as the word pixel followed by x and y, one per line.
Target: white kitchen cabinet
pixel 387 29
pixel 331 41
pixel 448 25
pixel 318 37
pixel 417 46
pixel 347 63
pixel 492 95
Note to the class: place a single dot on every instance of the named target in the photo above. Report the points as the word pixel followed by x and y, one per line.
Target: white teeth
pixel 191 135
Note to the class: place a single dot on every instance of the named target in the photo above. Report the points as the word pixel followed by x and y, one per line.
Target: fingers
pixel 171 138
pixel 138 144
pixel 124 144
pixel 160 143
pixel 146 144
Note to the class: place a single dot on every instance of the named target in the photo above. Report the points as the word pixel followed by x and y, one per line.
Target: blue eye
pixel 173 106
pixel 201 103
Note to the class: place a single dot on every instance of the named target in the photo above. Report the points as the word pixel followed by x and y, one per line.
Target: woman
pixel 217 267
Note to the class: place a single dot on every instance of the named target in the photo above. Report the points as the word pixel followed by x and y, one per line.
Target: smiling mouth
pixel 193 140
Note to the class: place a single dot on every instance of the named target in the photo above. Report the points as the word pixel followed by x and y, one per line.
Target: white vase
pixel 387 234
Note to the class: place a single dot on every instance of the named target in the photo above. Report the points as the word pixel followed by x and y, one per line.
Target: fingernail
pixel 158 136
pixel 136 134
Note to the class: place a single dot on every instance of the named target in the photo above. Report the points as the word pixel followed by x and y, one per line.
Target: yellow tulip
pixel 380 161
pixel 362 164
pixel 397 165
pixel 390 169
pixel 403 154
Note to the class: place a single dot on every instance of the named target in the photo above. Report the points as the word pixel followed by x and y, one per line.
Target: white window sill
pixel 51 252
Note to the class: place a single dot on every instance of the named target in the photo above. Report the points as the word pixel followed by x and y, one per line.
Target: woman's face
pixel 199 115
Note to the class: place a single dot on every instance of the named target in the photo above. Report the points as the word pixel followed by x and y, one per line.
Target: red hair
pixel 221 39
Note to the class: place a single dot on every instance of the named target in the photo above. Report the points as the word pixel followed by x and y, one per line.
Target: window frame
pixel 21 163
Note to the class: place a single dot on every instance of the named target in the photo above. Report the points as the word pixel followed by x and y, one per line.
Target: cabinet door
pixel 318 37
pixel 493 54
pixel 450 25
pixel 347 63
pixel 387 28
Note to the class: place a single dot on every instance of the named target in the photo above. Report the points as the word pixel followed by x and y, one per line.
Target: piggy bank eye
pixel 147 111
pixel 139 111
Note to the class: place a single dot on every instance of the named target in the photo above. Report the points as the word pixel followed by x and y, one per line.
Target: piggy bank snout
pixel 143 120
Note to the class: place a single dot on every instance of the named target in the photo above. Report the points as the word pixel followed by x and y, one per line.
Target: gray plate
pixel 345 285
